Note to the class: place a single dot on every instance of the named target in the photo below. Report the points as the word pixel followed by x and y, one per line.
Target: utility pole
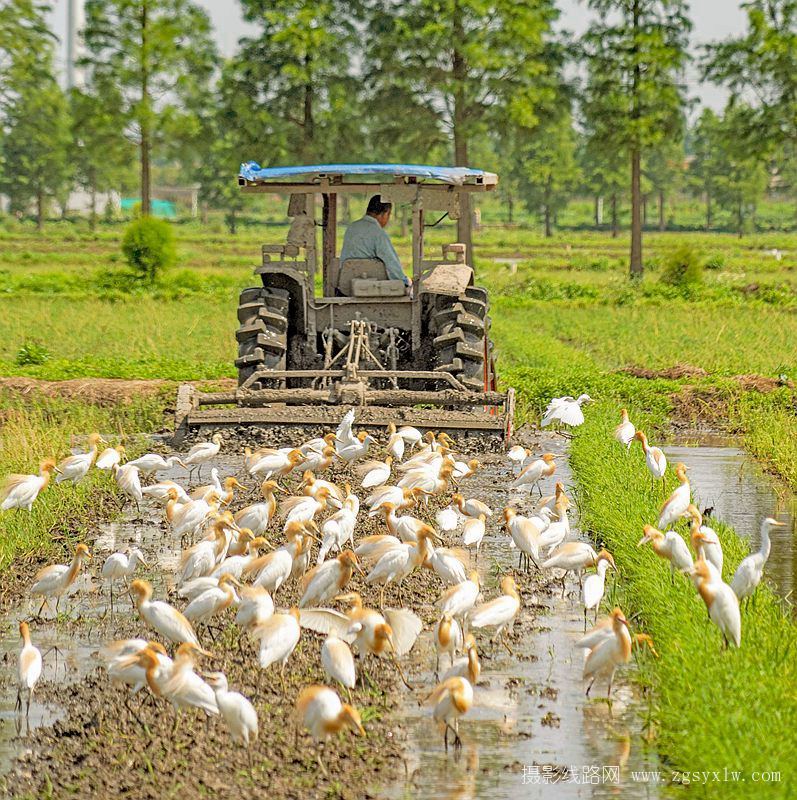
pixel 75 22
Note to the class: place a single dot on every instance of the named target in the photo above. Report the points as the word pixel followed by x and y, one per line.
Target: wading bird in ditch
pixel 122 566
pixel 721 602
pixel 565 410
pixel 655 460
pixel 452 699
pixel 160 616
pixel 29 668
pixel 676 504
pixel 749 573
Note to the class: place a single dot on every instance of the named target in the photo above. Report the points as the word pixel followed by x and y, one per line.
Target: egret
pixel 467 666
pixel 595 585
pixel 624 432
pixel 75 468
pixel 110 456
pixel 326 580
pixel 565 410
pixel 721 601
pixel 676 504
pixel 669 546
pixel 258 516
pixel 473 532
pixel 20 491
pixel 150 463
pixel 749 573
pixel 471 508
pixel 498 613
pixel 531 475
pixel 160 616
pixel 29 668
pixel 55 580
pixel 655 459
pixel 236 711
pixel 321 712
pixel 129 481
pixel 447 638
pixel 202 452
pixel 256 607
pixel 459 599
pixel 375 473
pixel 213 601
pixel 121 566
pixel 338 662
pixel 609 646
pixel 452 699
pixel 278 637
pixel 705 541
pixel 573 557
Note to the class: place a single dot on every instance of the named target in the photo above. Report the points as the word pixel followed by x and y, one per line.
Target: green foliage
pixel 31 352
pixel 155 83
pixel 148 245
pixel 36 136
pixel 683 268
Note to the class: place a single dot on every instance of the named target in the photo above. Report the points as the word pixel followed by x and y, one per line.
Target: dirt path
pixel 529 716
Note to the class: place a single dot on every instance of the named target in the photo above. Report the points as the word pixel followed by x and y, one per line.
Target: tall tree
pixel 636 52
pixel 102 155
pixel 546 169
pixel 760 68
pixel 664 168
pixel 154 52
pixel 36 135
pixel 469 60
pixel 743 169
pixel 298 67
pixel 704 169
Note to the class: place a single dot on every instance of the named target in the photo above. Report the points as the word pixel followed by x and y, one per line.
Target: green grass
pixel 712 708
pixel 34 428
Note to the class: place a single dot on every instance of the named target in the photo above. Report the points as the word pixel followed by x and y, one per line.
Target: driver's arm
pixel 386 253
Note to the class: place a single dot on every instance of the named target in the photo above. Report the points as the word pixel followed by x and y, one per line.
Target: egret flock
pixel 309 527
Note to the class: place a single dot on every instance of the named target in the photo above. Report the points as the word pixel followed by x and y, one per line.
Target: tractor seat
pixel 367 277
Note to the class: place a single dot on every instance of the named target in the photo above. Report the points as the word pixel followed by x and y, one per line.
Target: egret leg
pixel 506 644
pixel 321 764
pixel 589 686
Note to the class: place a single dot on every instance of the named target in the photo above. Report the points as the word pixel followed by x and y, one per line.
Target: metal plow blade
pixel 456 412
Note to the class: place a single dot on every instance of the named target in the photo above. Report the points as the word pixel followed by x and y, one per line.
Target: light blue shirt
pixel 366 238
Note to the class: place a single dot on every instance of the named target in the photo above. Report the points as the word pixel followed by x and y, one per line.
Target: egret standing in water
pixel 29 667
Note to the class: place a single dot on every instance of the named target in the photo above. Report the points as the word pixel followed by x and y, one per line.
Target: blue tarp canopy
pixel 252 172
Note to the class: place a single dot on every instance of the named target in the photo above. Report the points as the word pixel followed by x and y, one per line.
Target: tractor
pixel 318 336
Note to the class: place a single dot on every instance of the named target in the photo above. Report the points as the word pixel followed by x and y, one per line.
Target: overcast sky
pixel 713 19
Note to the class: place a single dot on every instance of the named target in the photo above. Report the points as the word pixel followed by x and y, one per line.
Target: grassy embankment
pixel 32 429
pixel 712 708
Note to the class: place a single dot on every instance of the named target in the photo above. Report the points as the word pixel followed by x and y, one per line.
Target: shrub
pixel 148 245
pixel 682 268
pixel 31 352
pixel 716 261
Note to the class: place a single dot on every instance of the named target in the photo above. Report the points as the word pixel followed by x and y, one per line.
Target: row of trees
pixel 462 81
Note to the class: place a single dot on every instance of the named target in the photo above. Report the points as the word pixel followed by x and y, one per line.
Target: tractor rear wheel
pixel 262 335
pixel 461 345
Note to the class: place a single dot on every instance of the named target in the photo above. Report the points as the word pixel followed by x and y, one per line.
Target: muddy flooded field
pixel 531 728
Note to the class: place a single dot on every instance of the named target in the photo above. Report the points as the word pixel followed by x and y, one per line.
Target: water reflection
pixel 742 495
pixel 531 731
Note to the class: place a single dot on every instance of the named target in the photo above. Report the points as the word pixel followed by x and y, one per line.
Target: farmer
pixel 367 238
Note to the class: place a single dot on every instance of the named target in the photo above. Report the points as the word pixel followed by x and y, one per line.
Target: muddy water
pixel 531 728
pixel 69 649
pixel 531 731
pixel 742 495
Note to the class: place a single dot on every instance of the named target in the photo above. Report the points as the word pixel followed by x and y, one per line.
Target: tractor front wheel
pixel 262 335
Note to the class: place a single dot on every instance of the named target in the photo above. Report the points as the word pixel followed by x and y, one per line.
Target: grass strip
pixel 35 428
pixel 713 708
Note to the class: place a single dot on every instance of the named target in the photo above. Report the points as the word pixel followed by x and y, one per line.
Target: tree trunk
pixel 547 209
pixel 636 156
pixel 39 210
pixel 510 207
pixel 598 211
pixel 232 221
pixel 93 214
pixel 613 205
pixel 740 220
pixel 459 70
pixel 662 211
pixel 709 211
pixel 308 121
pixel 145 121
